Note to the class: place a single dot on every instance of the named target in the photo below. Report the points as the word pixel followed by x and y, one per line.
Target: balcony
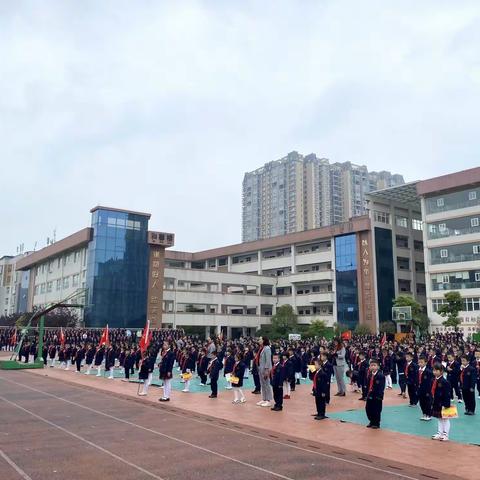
pixel 452 232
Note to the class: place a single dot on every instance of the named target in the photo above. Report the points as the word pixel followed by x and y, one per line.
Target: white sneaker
pixel 243 400
pixel 437 436
pixel 185 390
pixel 427 418
pixel 142 394
pixel 98 375
pixel 444 438
pixel 228 388
pixel 260 403
pixel 423 417
pixel 460 400
pixel 266 404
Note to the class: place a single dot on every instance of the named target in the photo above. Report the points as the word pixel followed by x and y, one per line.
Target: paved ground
pixel 50 429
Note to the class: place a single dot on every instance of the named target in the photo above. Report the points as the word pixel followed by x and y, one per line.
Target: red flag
pixel 146 337
pixel 62 337
pixel 13 338
pixel 104 338
pixel 347 335
pixel 384 339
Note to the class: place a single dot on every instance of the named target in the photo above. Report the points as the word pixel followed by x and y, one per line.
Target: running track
pixel 50 429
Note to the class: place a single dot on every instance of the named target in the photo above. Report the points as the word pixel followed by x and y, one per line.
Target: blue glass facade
pixel 117 271
pixel 346 280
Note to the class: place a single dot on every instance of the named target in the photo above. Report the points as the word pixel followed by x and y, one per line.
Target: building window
pixel 477 276
pixel 443 253
pixel 42 288
pixel 440 202
pixel 49 287
pixel 36 290
pixel 445 279
pixel 66 282
pixel 476 249
pixel 442 227
pixel 474 222
pixel 472 195
pixel 417 224
pixel 59 284
pixel 381 217
pixel 75 280
pixel 401 221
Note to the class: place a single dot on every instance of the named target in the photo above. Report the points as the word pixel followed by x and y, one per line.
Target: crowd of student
pixel 430 372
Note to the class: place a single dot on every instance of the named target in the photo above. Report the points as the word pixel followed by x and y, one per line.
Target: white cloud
pixel 162 106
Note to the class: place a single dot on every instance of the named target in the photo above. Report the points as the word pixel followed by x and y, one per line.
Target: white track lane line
pixel 78 437
pixel 225 457
pixel 325 455
pixel 14 466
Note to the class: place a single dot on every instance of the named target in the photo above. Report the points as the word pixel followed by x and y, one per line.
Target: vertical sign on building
pixel 365 282
pixel 157 242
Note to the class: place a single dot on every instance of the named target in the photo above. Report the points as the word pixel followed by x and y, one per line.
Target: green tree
pixel 387 327
pixel 318 328
pixel 450 309
pixel 362 330
pixel 284 321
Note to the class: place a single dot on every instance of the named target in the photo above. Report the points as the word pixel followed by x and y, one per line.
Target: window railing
pixel 455 286
pixel 432 207
pixel 453 232
pixel 470 257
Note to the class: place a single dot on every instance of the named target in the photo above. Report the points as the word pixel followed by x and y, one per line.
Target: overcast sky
pixel 162 106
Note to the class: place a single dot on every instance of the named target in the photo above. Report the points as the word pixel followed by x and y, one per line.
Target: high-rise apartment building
pixel 299 193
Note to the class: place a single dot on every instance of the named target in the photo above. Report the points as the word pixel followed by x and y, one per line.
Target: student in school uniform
pixel 387 368
pixel 277 377
pixel 188 367
pixel 109 362
pixel 468 379
pixel 89 357
pixel 321 385
pixel 52 353
pixel 375 392
pixel 99 359
pixel 79 357
pixel 477 366
pixel 202 365
pixel 441 398
pixel 256 377
pixel 411 378
pixel 453 377
pixel 289 365
pixel 228 364
pixel 362 368
pixel 425 379
pixel 128 363
pixel 165 369
pixel 402 382
pixel 145 373
pixel 238 371
pixel 213 371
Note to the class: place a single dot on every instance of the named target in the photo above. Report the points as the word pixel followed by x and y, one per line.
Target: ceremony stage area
pixel 56 422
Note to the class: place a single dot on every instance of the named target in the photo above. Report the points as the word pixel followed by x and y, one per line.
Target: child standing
pixel 375 392
pixel 468 379
pixel 321 385
pixel 440 399
pixel 425 379
pixel 237 372
pixel 277 377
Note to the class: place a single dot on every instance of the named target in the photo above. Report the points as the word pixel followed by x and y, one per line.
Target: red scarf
pixel 420 375
pixel 370 386
pixel 315 380
pixel 272 371
pixel 461 375
pixel 434 387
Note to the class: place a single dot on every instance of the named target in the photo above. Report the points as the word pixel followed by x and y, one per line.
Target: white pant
pixel 186 388
pixel 52 362
pixel 89 367
pixel 388 381
pixel 167 388
pixel 238 394
pixel 149 379
pixel 443 426
pixel 31 359
pixel 110 371
pixel 68 364
pixel 286 388
pixel 99 371
pixel 146 385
